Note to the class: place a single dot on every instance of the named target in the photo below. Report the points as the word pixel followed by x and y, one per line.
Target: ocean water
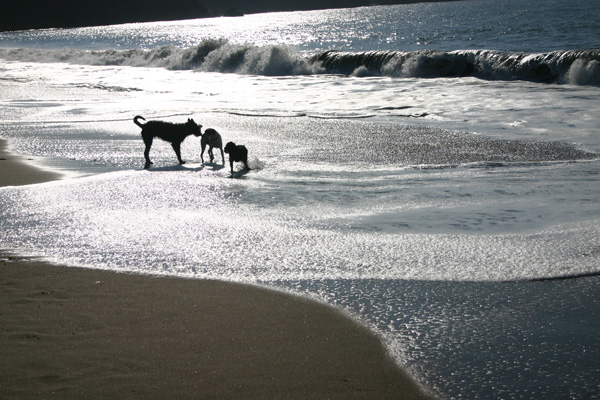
pixel 431 169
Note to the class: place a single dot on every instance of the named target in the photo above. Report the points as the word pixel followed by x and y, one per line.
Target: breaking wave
pixel 580 67
pixel 574 67
pixel 212 55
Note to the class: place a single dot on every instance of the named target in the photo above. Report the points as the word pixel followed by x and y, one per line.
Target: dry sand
pixel 74 333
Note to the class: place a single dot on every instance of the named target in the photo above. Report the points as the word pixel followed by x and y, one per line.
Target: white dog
pixel 212 138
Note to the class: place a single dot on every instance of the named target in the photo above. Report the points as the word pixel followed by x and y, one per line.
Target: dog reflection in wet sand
pixel 237 153
pixel 167 131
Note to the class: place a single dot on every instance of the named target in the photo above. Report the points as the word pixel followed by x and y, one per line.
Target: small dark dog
pixel 167 131
pixel 237 154
pixel 212 139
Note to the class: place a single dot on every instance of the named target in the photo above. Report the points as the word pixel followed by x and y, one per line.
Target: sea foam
pixel 220 55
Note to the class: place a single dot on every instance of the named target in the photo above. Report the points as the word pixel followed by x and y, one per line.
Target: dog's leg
pixel 210 153
pixel 202 153
pixel 177 147
pixel 148 143
pixel 231 164
pixel 222 156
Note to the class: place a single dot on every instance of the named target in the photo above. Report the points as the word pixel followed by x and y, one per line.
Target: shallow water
pixel 484 339
pixel 400 245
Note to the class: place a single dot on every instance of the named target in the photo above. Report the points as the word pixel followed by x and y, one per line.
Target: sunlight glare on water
pixel 429 168
pixel 192 224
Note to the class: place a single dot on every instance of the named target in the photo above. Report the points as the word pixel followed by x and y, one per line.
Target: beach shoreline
pixel 16 170
pixel 73 333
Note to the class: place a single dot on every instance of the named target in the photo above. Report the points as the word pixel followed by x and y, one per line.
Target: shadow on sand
pixel 197 168
pixel 240 174
pixel 187 167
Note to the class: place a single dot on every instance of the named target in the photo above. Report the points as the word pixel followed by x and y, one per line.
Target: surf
pixel 577 67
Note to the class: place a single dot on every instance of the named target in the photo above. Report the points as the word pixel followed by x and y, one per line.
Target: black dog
pixel 212 139
pixel 236 154
pixel 167 131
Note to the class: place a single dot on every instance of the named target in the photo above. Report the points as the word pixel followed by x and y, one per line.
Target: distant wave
pixel 575 67
pixel 219 55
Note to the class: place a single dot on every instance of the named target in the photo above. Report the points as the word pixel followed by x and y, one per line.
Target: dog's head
pixel 230 147
pixel 210 132
pixel 193 128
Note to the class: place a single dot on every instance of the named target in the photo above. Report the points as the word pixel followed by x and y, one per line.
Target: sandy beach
pixel 73 333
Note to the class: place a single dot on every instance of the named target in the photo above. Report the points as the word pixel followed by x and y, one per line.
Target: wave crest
pixel 245 59
pixel 219 55
pixel 575 67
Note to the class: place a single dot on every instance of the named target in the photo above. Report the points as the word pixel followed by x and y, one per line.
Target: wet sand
pixel 16 170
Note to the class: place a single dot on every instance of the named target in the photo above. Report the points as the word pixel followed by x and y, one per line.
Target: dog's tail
pixel 138 123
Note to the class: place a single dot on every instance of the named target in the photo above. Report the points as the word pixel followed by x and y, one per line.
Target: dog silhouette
pixel 237 153
pixel 167 131
pixel 212 139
